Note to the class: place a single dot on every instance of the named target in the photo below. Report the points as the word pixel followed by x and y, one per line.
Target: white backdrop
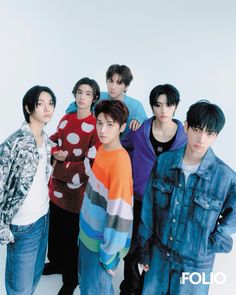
pixel 190 44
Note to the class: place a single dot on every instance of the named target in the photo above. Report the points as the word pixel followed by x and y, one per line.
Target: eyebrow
pixel 85 91
pixel 107 121
pixel 41 100
pixel 161 102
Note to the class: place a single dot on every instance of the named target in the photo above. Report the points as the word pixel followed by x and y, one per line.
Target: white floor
pixel 50 285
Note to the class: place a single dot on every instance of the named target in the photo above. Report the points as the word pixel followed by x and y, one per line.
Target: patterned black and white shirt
pixel 19 159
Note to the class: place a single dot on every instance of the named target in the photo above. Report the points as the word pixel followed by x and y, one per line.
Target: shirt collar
pixel 206 163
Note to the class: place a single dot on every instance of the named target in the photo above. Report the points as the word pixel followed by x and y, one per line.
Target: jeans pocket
pixel 21 228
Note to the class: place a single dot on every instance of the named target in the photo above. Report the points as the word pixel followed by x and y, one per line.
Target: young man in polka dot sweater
pixel 75 146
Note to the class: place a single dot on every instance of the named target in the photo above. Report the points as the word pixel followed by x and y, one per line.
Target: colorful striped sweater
pixel 106 216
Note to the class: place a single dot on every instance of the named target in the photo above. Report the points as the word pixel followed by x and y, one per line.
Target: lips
pixel 102 137
pixel 199 147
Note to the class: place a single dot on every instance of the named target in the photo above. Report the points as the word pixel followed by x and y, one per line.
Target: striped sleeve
pixel 119 214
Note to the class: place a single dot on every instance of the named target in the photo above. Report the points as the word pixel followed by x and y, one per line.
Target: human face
pixel 115 87
pixel 199 140
pixel 84 97
pixel 163 112
pixel 43 110
pixel 109 131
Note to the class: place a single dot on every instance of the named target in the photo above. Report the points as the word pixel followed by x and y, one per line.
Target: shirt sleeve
pixel 221 240
pixel 140 114
pixel 145 231
pixel 55 139
pixel 127 141
pixel 119 217
pixel 72 108
pixel 5 166
pixel 77 172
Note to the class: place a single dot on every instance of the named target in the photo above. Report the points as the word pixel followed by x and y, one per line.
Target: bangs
pixel 206 116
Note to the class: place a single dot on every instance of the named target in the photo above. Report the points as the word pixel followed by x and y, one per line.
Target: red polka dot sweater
pixel 69 178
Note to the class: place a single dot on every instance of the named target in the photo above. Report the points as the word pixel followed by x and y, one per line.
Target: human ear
pixel 122 128
pixel 126 88
pixel 27 109
pixel 185 126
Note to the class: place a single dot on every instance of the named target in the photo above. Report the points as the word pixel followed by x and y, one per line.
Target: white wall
pixel 190 44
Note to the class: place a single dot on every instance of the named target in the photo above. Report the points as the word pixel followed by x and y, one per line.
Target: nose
pixel 46 107
pixel 113 85
pixel 201 137
pixel 104 128
pixel 83 96
pixel 163 108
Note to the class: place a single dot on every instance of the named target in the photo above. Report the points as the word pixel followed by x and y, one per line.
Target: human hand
pixel 145 267
pixel 60 155
pixel 134 125
pixel 6 236
pixel 111 272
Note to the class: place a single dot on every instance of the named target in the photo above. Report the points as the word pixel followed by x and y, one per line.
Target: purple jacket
pixel 143 155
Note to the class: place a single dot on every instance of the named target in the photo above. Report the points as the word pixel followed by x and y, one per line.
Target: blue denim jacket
pixel 189 223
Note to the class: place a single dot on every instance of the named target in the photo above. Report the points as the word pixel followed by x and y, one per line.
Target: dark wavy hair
pixel 116 109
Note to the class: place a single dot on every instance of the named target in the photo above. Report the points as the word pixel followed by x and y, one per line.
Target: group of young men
pixel 150 191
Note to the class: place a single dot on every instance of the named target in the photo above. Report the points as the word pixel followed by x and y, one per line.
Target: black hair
pixel 31 99
pixel 116 109
pixel 204 114
pixel 170 91
pixel 122 70
pixel 92 83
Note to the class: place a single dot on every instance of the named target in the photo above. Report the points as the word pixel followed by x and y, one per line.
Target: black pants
pixel 62 243
pixel 133 281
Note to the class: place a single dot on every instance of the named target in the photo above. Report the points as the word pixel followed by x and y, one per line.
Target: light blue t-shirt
pixel 136 110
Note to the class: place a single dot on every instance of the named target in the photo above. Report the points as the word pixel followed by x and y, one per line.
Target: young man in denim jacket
pixel 189 210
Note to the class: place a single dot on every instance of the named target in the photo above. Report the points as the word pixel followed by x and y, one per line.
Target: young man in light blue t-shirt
pixel 118 78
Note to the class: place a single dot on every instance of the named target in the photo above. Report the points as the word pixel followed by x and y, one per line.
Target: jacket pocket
pixel 206 211
pixel 162 192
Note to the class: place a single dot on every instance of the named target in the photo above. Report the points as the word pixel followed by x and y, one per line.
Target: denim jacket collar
pixel 203 170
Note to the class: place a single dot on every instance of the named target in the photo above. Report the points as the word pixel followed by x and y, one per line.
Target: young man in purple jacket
pixel 158 134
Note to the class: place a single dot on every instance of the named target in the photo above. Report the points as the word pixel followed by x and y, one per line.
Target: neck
pixel 120 97
pixel 164 131
pixel 166 126
pixel 192 158
pixel 115 145
pixel 36 129
pixel 81 114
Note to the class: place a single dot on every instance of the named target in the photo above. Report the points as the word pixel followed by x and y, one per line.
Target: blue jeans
pixel 94 279
pixel 26 256
pixel 164 276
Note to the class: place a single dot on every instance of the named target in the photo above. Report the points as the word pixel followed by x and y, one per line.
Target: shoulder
pixel 143 129
pixel 222 165
pixel 171 157
pixel 132 101
pixel 16 137
pixel 18 141
pixel 68 117
pixel 90 119
pixel 103 95
pixel 121 161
